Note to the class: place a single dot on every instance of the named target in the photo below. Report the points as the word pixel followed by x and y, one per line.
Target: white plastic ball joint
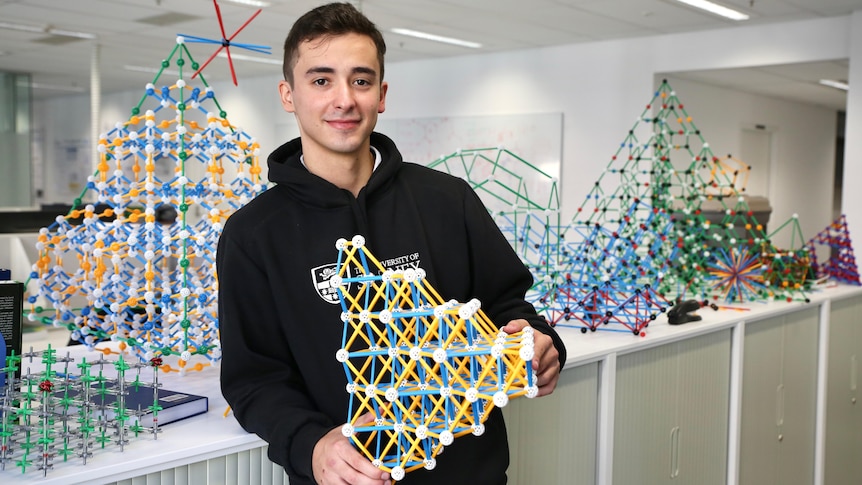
pixel 342 355
pixel 370 390
pixel 466 312
pixel 347 430
pixel 385 316
pixel 478 429
pixel 358 241
pixel 430 463
pixel 500 399
pixel 446 438
pixel 397 473
pixel 415 353
pixel 339 244
pixel 410 275
pixel 496 351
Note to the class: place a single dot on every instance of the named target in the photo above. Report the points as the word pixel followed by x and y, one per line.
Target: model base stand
pixel 427 370
pixel 50 415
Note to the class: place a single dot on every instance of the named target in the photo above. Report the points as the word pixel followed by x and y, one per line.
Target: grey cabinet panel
pixel 798 405
pixel 843 446
pixel 671 413
pixel 553 438
pixel 704 365
pixel 645 416
pixel 779 386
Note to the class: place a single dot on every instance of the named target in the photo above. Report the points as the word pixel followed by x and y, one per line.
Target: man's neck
pixel 350 172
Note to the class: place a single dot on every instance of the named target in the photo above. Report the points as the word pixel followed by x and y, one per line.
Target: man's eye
pixel 320 82
pixel 363 82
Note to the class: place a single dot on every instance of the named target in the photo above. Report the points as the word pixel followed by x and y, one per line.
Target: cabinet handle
pixel 853 370
pixel 779 405
pixel 674 452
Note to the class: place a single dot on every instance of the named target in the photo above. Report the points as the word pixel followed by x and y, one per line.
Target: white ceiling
pixel 500 25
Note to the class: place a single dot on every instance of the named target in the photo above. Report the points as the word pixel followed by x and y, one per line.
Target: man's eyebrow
pixel 319 70
pixel 364 70
pixel 328 70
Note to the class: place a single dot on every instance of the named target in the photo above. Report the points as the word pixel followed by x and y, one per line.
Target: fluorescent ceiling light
pixel 55 87
pixel 835 84
pixel 243 57
pixel 71 33
pixel 150 70
pixel 250 3
pixel 46 29
pixel 22 27
pixel 437 38
pixel 716 9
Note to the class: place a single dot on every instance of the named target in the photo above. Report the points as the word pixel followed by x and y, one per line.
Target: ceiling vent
pixel 56 40
pixel 167 19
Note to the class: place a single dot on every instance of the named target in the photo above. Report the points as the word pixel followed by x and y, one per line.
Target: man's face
pixel 336 95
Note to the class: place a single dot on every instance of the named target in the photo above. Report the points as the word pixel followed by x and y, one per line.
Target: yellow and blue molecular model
pixel 137 263
pixel 427 370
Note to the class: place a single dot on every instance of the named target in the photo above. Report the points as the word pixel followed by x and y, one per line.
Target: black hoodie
pixel 280 325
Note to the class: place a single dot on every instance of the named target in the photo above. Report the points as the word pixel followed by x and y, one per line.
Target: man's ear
pixel 285 92
pixel 381 106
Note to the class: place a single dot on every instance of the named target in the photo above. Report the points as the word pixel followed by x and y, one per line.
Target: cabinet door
pixel 759 422
pixel 843 464
pixel 779 385
pixel 553 439
pixel 798 398
pixel 645 416
pixel 703 406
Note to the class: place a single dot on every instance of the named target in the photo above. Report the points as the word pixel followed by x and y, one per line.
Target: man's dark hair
pixel 329 20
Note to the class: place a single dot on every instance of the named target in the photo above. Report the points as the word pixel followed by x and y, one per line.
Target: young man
pixel 280 327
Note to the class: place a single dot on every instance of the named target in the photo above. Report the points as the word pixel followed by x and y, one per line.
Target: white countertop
pixel 212 434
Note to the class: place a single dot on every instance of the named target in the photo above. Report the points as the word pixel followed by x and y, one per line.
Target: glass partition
pixel 15 120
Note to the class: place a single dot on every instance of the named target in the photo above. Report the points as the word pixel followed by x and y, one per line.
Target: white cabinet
pixel 843 445
pixel 779 388
pixel 553 438
pixel 671 413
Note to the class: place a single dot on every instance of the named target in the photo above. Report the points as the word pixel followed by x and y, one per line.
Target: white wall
pixel 851 193
pixel 600 88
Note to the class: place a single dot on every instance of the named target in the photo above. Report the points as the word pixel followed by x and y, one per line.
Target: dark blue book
pixel 140 404
pixel 174 405
pixel 11 309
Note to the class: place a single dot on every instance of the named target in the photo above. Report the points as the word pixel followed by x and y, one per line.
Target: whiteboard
pixel 536 138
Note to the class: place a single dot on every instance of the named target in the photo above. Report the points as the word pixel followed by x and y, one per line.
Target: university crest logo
pixel 320 277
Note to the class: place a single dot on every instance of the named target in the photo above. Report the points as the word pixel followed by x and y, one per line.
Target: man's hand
pixel 335 461
pixel 546 359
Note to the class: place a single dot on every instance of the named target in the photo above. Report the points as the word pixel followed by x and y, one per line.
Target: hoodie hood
pixel 286 170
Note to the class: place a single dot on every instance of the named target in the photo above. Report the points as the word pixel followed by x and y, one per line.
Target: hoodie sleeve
pixel 259 376
pixel 500 279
